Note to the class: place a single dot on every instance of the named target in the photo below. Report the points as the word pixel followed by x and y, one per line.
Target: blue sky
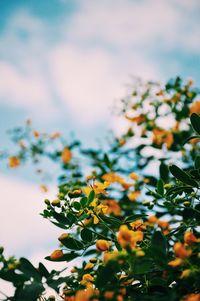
pixel 64 63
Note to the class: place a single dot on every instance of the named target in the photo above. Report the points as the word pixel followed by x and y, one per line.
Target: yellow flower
pixel 66 155
pixel 89 266
pixel 134 195
pixel 138 225
pixel 128 237
pixel 57 254
pixel 195 107
pixel 175 263
pixel 102 245
pixel 190 238
pixel 88 277
pixel 161 137
pixel 110 256
pixel 180 251
pixel 13 161
pixel 115 178
pixel 134 176
pixel 112 207
pixel 186 273
pixel 97 187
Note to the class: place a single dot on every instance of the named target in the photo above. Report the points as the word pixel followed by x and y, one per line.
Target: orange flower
pixel 66 155
pixel 175 263
pixel 102 245
pixel 161 137
pixel 134 195
pixel 152 219
pixel 55 135
pixel 186 273
pixel 180 251
pixel 13 161
pixel 36 134
pixel 110 256
pixel 115 178
pixel 191 297
pixel 84 295
pixel 138 225
pixel 88 277
pixel 109 295
pixel 128 237
pixel 57 254
pixel 113 207
pixel 43 188
pixel 134 176
pixel 195 107
pixel 89 266
pixel 190 238
pixel 137 119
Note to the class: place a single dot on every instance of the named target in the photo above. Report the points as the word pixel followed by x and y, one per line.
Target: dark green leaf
pixel 86 235
pixel 160 187
pixel 182 176
pixel 72 243
pixel 77 206
pixel 83 201
pixel 28 269
pixel 197 162
pixel 164 172
pixel 195 121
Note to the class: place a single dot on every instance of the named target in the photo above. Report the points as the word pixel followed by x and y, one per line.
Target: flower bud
pixel 102 245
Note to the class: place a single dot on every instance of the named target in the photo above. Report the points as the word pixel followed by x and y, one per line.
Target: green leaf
pixel 159 242
pixel 66 257
pixel 90 197
pixel 72 243
pixel 83 201
pixel 77 206
pixel 134 217
pixel 197 162
pixel 61 218
pixel 43 271
pixel 195 121
pixel 28 269
pixel 86 235
pixel 182 176
pixel 164 172
pixel 29 292
pixel 160 187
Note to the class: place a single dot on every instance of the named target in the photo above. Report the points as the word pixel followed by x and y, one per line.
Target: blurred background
pixel 64 64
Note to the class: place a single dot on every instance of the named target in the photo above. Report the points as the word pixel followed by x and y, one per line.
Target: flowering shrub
pixel 134 219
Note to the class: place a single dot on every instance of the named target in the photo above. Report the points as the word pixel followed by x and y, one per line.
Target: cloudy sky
pixel 63 63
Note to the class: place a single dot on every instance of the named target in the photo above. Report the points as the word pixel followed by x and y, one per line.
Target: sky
pixel 64 63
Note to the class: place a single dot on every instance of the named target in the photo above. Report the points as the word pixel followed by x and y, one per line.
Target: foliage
pixel 133 220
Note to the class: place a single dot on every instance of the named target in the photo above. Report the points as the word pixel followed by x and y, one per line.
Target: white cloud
pixel 88 81
pixel 86 67
pixel 22 229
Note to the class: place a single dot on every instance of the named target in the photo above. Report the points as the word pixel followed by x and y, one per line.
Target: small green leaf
pixel 86 235
pixel 83 201
pixel 182 176
pixel 164 172
pixel 197 162
pixel 77 206
pixel 28 269
pixel 160 187
pixel 195 121
pixel 91 197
